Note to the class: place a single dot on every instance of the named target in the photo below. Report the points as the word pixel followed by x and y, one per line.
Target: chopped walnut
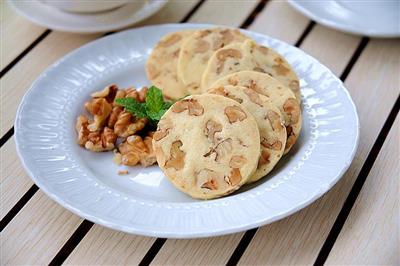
pixel 273 145
pixel 221 91
pixel 264 158
pixel 163 129
pixel 221 150
pixel 114 115
pixel 253 96
pixel 137 150
pixel 81 125
pixel 235 177
pixel 101 140
pixel 222 55
pixel 201 46
pixel 170 40
pixel 237 161
pixel 211 129
pixel 275 120
pixel 234 114
pixel 123 172
pixel 193 106
pixel 108 93
pixel 177 156
pixel 127 125
pixel 292 109
pixel 138 95
pixel 100 109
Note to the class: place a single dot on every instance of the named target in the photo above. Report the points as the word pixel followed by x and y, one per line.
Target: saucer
pixel 369 18
pixel 50 17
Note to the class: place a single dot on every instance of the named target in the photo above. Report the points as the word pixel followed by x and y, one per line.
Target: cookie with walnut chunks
pixel 198 48
pixel 207 145
pixel 250 56
pixel 270 124
pixel 161 66
pixel 280 95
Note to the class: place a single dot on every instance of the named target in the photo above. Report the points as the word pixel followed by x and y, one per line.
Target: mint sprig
pixel 153 109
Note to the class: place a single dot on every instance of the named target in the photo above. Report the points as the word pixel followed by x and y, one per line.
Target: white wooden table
pixel 357 222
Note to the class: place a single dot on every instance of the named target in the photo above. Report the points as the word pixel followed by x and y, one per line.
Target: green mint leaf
pixel 133 106
pixel 154 103
pixel 153 109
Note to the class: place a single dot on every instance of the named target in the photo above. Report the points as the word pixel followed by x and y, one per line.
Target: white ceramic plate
pixel 144 202
pixel 53 18
pixel 376 18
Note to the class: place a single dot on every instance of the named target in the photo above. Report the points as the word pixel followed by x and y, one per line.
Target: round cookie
pixel 207 145
pixel 270 124
pixel 278 94
pixel 249 56
pixel 161 66
pixel 197 50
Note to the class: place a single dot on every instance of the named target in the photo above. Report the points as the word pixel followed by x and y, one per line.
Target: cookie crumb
pixel 123 172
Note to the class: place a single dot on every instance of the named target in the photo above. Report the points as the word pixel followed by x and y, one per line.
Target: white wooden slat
pixel 299 238
pixel 17 34
pixel 371 233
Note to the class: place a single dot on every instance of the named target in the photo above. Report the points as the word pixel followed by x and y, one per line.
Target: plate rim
pixel 177 234
pixel 158 5
pixel 297 5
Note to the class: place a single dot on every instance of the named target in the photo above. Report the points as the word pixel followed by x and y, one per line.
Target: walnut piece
pixel 235 177
pixel 262 49
pixel 207 179
pixel 137 150
pixel 211 129
pixel 292 109
pixel 162 129
pixel 177 156
pixel 275 120
pixel 273 145
pixel 253 96
pixel 114 115
pixel 221 91
pixel 222 55
pixel 108 93
pixel 237 161
pixel 211 184
pixel 101 140
pixel 138 95
pixel 264 158
pixel 279 68
pixel 234 114
pixel 193 106
pixel 127 125
pixel 100 109
pixel 291 137
pixel 201 46
pixel 81 125
pixel 172 39
pixel 123 172
pixel 221 150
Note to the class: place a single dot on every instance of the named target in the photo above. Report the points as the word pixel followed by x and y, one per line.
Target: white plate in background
pixel 144 202
pixel 118 18
pixel 375 18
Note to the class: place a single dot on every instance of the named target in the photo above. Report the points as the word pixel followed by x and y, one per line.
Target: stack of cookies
pixel 243 113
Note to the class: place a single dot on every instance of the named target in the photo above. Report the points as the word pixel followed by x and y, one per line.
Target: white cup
pixel 84 6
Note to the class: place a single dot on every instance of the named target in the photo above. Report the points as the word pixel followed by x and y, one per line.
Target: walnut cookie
pixel 249 56
pixel 280 95
pixel 270 124
pixel 197 49
pixel 162 65
pixel 207 145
